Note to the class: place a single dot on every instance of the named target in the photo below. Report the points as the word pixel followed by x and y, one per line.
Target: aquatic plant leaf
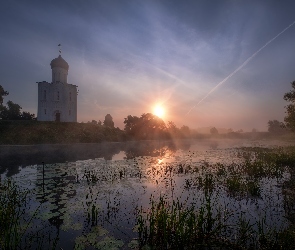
pixel 134 244
pixel 109 243
pixel 99 231
pixel 80 242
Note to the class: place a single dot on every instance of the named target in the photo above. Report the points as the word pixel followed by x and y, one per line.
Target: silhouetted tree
pixel 185 130
pixel 290 118
pixel 108 121
pixel 131 125
pixel 27 116
pixel 148 126
pixel 12 111
pixel 276 127
pixel 213 131
pixel 2 94
pixel 173 130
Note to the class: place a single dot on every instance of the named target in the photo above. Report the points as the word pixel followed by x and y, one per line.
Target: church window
pixel 44 94
pixel 57 95
pixel 45 111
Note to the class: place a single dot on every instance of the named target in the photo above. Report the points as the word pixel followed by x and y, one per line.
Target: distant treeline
pixel 36 132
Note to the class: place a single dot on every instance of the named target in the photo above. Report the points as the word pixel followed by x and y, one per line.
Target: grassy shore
pixel 35 132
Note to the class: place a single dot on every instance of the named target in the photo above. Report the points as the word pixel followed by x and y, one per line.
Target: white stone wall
pixel 55 98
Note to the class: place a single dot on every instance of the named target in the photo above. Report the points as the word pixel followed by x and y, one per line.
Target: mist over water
pixel 14 157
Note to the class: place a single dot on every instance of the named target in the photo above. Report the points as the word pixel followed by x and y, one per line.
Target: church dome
pixel 59 62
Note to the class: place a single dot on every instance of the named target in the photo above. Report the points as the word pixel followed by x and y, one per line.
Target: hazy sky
pixel 128 56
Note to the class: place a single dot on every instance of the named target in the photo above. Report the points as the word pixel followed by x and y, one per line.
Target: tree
pixel 185 130
pixel 213 131
pixel 131 124
pixel 290 118
pixel 173 130
pixel 276 127
pixel 108 121
pixel 148 126
pixel 13 110
pixel 27 116
pixel 2 93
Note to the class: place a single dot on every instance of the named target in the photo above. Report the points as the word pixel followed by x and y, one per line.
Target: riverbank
pixel 35 132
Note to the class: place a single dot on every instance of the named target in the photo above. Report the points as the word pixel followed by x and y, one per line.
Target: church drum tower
pixel 57 101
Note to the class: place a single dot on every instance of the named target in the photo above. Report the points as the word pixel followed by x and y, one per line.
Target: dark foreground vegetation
pixel 167 222
pixel 34 132
pixel 171 224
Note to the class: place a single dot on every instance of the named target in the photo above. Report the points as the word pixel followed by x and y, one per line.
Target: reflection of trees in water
pixel 183 144
pixel 213 145
pixel 14 157
pixel 154 149
pixel 55 186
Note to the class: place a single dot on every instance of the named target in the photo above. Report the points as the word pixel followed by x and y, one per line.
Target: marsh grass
pixel 12 202
pixel 173 225
pixel 16 226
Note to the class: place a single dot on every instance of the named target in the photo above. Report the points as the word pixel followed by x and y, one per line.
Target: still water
pixel 86 193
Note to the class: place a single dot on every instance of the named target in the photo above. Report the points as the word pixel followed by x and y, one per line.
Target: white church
pixel 57 100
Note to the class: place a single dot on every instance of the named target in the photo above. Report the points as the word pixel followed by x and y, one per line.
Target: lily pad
pixel 109 243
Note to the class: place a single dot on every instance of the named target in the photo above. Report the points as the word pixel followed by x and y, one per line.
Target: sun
pixel 159 111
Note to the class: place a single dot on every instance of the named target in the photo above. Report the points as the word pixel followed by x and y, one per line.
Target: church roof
pixel 59 62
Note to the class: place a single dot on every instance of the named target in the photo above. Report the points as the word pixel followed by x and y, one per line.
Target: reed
pixel 175 226
pixel 17 227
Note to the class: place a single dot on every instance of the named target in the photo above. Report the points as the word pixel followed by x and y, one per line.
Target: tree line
pixel 150 126
pixel 277 127
pixel 12 111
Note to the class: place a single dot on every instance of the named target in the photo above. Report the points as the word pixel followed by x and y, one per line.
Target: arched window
pixel 58 95
pixel 45 111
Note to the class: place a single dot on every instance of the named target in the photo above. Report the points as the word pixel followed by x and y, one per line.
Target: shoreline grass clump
pixel 12 200
pixel 173 225
pixel 16 226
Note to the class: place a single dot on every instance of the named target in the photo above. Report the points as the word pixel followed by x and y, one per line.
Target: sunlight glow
pixel 159 111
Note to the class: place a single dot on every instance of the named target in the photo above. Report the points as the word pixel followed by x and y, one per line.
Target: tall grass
pixel 15 226
pixel 12 206
pixel 175 225
pixel 172 225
